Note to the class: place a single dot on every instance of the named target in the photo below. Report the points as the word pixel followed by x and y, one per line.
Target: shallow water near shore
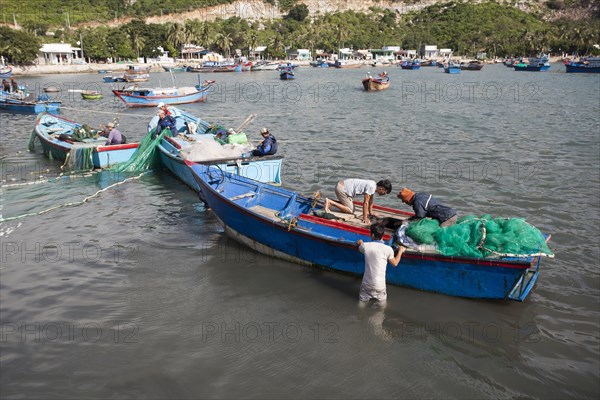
pixel 139 294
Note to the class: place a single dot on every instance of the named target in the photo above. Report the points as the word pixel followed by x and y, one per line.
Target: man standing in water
pixel 377 255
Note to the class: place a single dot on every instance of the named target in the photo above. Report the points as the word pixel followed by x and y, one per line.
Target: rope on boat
pixel 75 203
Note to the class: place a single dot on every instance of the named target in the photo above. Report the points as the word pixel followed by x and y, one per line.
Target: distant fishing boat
pixel 52 89
pixel 135 73
pixel 411 64
pixel 452 68
pixel 381 82
pixel 286 74
pixel 585 65
pixel 471 66
pixel 60 136
pixel 265 66
pixel 113 78
pixel 263 169
pixel 135 96
pixel 27 102
pixel 5 71
pixel 174 68
pixel 534 64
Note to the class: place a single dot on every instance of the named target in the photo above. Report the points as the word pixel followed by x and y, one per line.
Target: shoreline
pixel 34 70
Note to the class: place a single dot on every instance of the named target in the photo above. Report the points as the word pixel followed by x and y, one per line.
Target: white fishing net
pixel 206 148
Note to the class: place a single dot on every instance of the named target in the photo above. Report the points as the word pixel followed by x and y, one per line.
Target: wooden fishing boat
pixel 346 64
pixel 471 66
pixel 381 82
pixel 263 169
pixel 174 68
pixel 91 94
pixel 265 66
pixel 52 89
pixel 284 224
pixel 135 73
pixel 584 65
pixel 27 103
pixel 113 78
pixel 5 71
pixel 135 96
pixel 60 136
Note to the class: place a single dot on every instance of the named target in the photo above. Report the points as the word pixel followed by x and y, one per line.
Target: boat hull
pixel 532 68
pixel 452 70
pixel 370 84
pixel 132 100
pixel 311 242
pixel 582 69
pixel 16 105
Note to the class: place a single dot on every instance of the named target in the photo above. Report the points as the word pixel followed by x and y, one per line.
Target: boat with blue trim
pixel 5 71
pixel 287 225
pixel 136 96
pixel 194 131
pixel 585 65
pixel 534 64
pixel 286 73
pixel 25 102
pixel 452 68
pixel 73 142
pixel 380 82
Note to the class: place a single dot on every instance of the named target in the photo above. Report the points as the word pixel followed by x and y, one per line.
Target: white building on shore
pixel 59 53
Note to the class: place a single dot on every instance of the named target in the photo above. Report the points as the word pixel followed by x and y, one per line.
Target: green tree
pixel 18 47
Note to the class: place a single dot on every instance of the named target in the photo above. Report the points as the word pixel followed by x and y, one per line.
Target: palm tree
pixel 205 35
pixel 224 42
pixel 138 42
pixel 252 40
pixel 176 34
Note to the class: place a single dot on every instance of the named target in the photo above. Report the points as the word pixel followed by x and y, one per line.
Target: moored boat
pixel 136 73
pixel 91 94
pixel 27 103
pixel 68 140
pixel 135 96
pixel 585 65
pixel 411 64
pixel 194 131
pixel 534 64
pixel 452 68
pixel 287 225
pixel 471 66
pixel 5 71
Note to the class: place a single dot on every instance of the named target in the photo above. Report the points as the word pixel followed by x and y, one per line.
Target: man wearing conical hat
pixel 425 206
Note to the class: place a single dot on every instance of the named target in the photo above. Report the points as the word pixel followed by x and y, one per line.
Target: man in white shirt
pixel 347 189
pixel 377 255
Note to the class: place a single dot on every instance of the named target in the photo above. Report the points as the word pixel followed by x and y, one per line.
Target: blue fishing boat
pixel 452 68
pixel 411 64
pixel 113 78
pixel 192 130
pixel 68 140
pixel 5 71
pixel 136 73
pixel 585 65
pixel 534 64
pixel 27 102
pixel 287 225
pixel 135 96
pixel 286 73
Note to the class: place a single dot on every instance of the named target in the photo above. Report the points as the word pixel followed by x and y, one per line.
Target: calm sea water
pixel 138 293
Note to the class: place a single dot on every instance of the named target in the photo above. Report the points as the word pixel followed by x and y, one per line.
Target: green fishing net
pixel 146 156
pixel 79 159
pixel 483 236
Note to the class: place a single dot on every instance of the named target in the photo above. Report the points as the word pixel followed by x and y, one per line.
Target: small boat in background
pixel 113 78
pixel 474 65
pixel 135 96
pixel 52 89
pixel 381 82
pixel 91 94
pixel 174 68
pixel 136 73
pixel 586 65
pixel 452 68
pixel 5 71
pixel 346 64
pixel 265 66
pixel 534 64
pixel 411 64
pixel 62 138
pixel 286 74
pixel 27 102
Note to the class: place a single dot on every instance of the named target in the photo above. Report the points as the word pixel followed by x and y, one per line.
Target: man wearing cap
pixel 346 190
pixel 424 205
pixel 268 146
pixel 163 107
pixel 165 122
pixel 114 135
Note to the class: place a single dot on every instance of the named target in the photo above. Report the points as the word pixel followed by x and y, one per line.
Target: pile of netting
pixel 481 237
pixel 146 156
